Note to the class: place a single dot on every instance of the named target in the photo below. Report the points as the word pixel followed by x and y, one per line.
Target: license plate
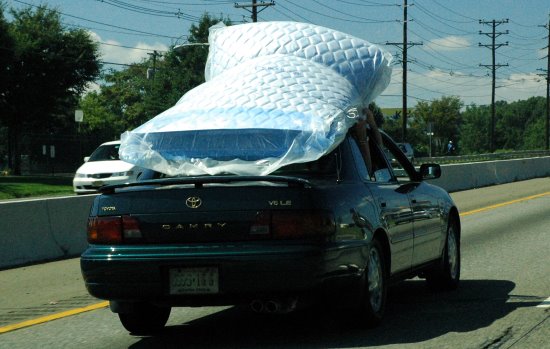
pixel 200 280
pixel 97 183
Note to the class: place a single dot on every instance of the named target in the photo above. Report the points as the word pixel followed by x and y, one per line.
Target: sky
pixel 448 63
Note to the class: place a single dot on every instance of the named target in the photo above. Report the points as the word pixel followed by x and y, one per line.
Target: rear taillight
pixel 130 228
pixel 294 224
pixel 112 229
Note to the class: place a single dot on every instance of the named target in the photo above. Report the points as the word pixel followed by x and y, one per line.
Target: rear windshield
pixel 105 153
pixel 322 168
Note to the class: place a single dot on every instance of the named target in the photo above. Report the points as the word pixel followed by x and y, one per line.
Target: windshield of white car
pixel 105 153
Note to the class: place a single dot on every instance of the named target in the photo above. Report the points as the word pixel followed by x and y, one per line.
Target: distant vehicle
pixel 408 150
pixel 325 232
pixel 104 167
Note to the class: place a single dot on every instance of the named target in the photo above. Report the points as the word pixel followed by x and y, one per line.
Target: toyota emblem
pixel 193 202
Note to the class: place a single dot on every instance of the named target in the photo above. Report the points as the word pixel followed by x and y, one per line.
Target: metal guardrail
pixel 483 157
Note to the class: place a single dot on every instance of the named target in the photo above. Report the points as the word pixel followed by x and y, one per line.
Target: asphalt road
pixel 503 300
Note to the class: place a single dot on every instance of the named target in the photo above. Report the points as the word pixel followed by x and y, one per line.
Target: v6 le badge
pixel 280 203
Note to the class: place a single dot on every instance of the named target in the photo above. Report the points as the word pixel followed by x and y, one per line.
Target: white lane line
pixel 545 303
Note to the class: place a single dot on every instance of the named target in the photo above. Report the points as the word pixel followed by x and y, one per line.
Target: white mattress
pixel 276 93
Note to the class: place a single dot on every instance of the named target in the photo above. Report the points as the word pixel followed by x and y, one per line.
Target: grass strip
pixel 14 187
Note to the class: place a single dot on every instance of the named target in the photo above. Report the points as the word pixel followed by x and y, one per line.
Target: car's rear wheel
pixel 447 276
pixel 145 319
pixel 373 304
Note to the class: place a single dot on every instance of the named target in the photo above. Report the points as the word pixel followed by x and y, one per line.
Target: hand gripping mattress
pixel 275 93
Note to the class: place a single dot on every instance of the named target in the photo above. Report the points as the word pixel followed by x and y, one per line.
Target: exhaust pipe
pixel 273 306
pixel 257 306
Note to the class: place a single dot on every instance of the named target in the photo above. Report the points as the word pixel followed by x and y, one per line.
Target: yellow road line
pixel 105 304
pixel 492 207
pixel 56 316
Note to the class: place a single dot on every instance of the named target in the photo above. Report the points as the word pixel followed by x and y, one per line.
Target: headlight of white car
pixel 80 175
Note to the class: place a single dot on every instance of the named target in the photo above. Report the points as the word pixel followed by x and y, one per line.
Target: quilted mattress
pixel 275 93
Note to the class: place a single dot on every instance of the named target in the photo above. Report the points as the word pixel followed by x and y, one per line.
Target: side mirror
pixel 430 171
pixel 86 158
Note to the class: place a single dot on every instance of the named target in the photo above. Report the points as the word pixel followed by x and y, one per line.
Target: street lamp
pixel 78 118
pixel 430 134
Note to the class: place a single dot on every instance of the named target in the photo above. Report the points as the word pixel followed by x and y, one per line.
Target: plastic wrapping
pixel 276 93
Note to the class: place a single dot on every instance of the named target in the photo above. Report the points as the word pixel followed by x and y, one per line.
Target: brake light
pixel 112 229
pixel 130 227
pixel 295 224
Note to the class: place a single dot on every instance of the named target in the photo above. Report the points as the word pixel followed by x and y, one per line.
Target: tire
pixel 373 303
pixel 145 319
pixel 447 276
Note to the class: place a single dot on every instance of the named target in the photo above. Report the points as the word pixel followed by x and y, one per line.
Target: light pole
pixel 430 134
pixel 180 49
pixel 78 118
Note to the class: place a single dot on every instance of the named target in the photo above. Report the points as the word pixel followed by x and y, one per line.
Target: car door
pixel 394 209
pixel 426 215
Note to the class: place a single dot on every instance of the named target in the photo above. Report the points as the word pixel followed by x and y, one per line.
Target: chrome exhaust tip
pixel 273 306
pixel 257 306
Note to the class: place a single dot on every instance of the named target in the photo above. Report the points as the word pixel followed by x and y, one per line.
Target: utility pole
pixel 254 7
pixel 493 46
pixel 151 72
pixel 404 46
pixel 547 77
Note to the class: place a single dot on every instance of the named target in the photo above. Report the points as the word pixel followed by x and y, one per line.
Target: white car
pixel 104 167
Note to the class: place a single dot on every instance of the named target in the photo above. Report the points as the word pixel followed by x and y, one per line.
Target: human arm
pixel 360 134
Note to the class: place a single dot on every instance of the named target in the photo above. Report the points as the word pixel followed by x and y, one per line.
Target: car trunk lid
pixel 217 210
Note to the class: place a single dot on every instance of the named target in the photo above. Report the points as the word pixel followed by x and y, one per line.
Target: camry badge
pixel 193 202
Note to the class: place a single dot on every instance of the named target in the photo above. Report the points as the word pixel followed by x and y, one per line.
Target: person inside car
pixel 360 133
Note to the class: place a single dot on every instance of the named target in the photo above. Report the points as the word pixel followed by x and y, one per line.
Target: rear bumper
pixel 246 272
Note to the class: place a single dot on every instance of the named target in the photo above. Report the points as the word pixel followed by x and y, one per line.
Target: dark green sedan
pixel 307 233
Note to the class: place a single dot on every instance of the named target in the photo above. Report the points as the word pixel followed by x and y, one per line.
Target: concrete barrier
pixel 43 229
pixel 53 228
pixel 457 177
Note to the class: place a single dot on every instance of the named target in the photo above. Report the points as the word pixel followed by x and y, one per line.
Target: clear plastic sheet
pixel 276 93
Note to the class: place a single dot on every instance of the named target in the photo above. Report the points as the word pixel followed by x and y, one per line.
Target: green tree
pixel 444 116
pixel 514 123
pixel 534 135
pixel 475 129
pixel 128 99
pixel 50 66
pixel 416 132
pixel 377 112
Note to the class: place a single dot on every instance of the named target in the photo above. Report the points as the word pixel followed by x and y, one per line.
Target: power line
pixel 129 47
pixel 365 20
pixel 148 11
pixel 289 10
pixel 101 23
pixel 452 11
pixel 368 3
pixel 432 14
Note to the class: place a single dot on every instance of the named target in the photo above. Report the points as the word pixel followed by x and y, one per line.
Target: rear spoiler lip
pixel 199 181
